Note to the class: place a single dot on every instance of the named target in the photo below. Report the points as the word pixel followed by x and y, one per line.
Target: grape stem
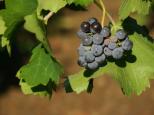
pixel 104 12
pixel 101 5
pixel 48 16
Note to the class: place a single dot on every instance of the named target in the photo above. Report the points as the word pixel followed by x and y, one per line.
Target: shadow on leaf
pixel 131 58
pixel 89 73
pixel 131 26
pixel 90 86
pixel 121 63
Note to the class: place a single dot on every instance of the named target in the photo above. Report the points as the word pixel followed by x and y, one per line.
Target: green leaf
pixel 6 42
pixel 141 19
pixel 2 26
pixel 80 2
pixel 132 77
pixel 39 90
pixel 142 7
pixel 34 25
pixel 41 68
pixel 79 82
pixel 70 1
pixel 14 14
pixel 21 7
pixel 52 5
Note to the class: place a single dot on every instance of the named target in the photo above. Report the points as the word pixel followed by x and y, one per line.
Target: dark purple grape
pixel 105 32
pixel 89 57
pixel 112 46
pixel 97 50
pixel 127 45
pixel 96 27
pixel 121 34
pixel 107 51
pixel 82 49
pixel 81 34
pixel 100 59
pixel 117 53
pixel 87 41
pixel 82 62
pixel 93 66
pixel 92 20
pixel 85 27
pixel 98 39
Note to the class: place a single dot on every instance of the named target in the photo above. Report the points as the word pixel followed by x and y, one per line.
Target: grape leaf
pixel 6 42
pixel 142 7
pixel 141 19
pixel 133 77
pixel 41 68
pixel 2 26
pixel 34 25
pixel 80 2
pixel 21 7
pixel 27 89
pixel 52 5
pixel 40 90
pixel 70 1
pixel 13 16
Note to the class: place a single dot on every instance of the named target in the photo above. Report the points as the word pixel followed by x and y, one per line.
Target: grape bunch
pixel 97 44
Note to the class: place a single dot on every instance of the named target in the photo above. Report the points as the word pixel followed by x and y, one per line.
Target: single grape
pixel 117 53
pixel 112 46
pixel 92 20
pixel 81 50
pixel 96 27
pixel 106 42
pixel 81 34
pixel 121 34
pixel 87 41
pixel 85 27
pixel 127 45
pixel 105 32
pixel 93 66
pixel 98 39
pixel 89 57
pixel 100 59
pixel 107 51
pixel 97 50
pixel 82 62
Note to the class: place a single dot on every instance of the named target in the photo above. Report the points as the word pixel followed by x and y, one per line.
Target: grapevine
pixel 119 49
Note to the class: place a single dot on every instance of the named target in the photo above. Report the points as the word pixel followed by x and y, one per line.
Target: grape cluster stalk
pixel 97 44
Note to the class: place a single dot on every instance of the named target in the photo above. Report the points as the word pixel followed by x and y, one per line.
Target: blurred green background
pixel 106 98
